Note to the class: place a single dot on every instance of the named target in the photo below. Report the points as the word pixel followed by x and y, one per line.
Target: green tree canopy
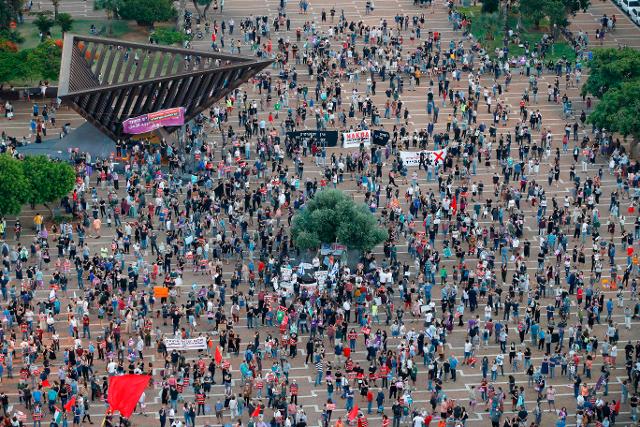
pixel 65 22
pixel 609 68
pixel 13 66
pixel 14 186
pixel 556 10
pixel 147 12
pixel 9 10
pixel 331 216
pixel 168 36
pixel 48 180
pixel 44 60
pixel 206 4
pixel 490 6
pixel 44 22
pixel 618 109
pixel 112 7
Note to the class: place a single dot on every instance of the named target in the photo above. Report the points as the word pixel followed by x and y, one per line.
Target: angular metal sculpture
pixel 108 81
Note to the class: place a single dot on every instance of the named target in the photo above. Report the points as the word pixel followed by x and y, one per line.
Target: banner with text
pixel 199 343
pixel 325 138
pixel 412 158
pixel 354 139
pixel 381 137
pixel 152 121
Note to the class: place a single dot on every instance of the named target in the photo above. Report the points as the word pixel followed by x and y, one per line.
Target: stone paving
pixel 312 398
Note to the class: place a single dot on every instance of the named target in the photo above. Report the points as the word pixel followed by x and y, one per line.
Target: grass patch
pixel 80 26
pixel 489 30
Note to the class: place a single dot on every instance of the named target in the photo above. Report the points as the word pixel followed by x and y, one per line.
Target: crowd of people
pixel 208 217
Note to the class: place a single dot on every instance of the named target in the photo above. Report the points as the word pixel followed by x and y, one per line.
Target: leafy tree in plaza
pixel 330 217
pixel 44 60
pixel 556 10
pixel 56 7
pixel 147 12
pixel 11 35
pixel 111 7
pixel 65 22
pixel 490 6
pixel 206 4
pixel 14 186
pixel 48 180
pixel 44 22
pixel 168 36
pixel 618 109
pixel 13 66
pixel 9 11
pixel 609 68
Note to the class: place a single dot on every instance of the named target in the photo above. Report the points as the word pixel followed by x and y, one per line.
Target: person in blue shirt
pixel 453 364
pixel 609 309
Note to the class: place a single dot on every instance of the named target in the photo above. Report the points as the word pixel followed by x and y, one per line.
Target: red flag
pixel 617 407
pixel 218 356
pixel 70 404
pixel 45 383
pixel 353 413
pixel 256 412
pixel 125 391
pixel 454 204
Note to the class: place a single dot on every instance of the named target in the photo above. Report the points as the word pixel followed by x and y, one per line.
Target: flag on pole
pixel 353 413
pixel 218 355
pixel 454 204
pixel 125 391
pixel 256 412
pixel 57 415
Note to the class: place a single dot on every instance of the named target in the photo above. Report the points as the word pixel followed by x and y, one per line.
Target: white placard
pixel 354 139
pixel 199 343
pixel 412 158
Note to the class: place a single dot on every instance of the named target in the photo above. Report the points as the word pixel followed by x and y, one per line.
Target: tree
pixel 56 6
pixel 618 110
pixel 111 7
pixel 490 6
pixel 330 217
pixel 14 187
pixel 9 11
pixel 44 22
pixel 11 35
pixel 147 12
pixel 205 3
pixel 13 66
pixel 556 10
pixel 44 60
pixel 609 68
pixel 48 180
pixel 65 22
pixel 168 36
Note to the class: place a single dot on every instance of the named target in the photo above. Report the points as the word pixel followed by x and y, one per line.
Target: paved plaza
pixel 406 327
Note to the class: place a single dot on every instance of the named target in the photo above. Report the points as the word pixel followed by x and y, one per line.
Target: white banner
pixel 412 158
pixel 199 343
pixel 354 139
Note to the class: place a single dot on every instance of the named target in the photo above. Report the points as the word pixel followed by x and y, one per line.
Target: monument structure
pixel 108 81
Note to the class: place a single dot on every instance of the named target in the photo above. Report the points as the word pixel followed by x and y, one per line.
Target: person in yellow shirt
pixel 37 220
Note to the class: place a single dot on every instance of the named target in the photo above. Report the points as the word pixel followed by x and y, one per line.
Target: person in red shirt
pixel 293 388
pixel 362 421
pixel 369 401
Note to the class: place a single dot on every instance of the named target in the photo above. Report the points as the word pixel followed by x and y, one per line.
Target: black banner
pixel 380 137
pixel 326 138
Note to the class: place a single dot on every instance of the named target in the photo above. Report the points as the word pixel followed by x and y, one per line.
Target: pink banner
pixel 152 121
